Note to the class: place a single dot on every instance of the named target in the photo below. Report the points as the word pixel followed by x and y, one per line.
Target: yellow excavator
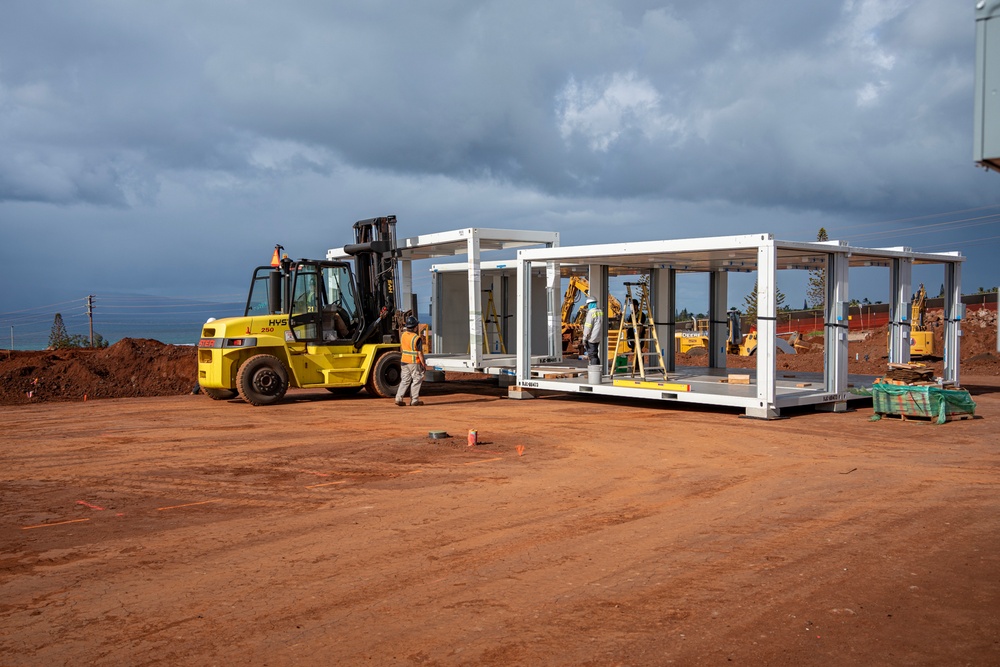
pixel 921 338
pixel 572 326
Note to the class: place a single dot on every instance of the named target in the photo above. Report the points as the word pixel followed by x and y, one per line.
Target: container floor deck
pixel 706 385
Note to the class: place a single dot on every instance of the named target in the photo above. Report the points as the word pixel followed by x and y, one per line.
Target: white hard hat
pixel 591 299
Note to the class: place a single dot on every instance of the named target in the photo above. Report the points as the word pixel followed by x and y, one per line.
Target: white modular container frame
pixel 767 393
pixel 458 306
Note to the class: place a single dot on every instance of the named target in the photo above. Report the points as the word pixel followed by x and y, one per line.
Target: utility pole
pixel 90 316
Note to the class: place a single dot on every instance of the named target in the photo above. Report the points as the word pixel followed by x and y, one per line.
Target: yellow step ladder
pixel 638 331
pixel 490 318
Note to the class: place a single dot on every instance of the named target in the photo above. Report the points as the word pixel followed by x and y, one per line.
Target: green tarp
pixel 921 401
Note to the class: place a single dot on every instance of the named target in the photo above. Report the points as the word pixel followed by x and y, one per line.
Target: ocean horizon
pixel 168 328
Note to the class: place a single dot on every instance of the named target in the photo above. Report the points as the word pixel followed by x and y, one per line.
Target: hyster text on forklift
pixel 311 323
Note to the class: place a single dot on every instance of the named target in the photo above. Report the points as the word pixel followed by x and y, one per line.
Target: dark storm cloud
pixel 153 127
pixel 762 103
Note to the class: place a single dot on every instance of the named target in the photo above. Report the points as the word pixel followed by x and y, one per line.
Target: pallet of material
pixel 909 373
pixel 928 419
pixel 928 402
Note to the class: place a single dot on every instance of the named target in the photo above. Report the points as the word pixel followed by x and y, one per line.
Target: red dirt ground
pixel 184 531
pixel 177 530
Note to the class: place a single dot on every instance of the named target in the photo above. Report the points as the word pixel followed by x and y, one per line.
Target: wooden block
pixel 738 379
pixel 804 384
pixel 519 392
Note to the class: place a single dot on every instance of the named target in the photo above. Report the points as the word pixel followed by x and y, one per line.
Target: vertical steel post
pixel 475 302
pixel 900 283
pixel 718 295
pixel 836 329
pixel 953 313
pixel 767 322
pixel 663 297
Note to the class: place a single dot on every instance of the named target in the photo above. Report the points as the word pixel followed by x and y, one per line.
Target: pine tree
pixel 816 293
pixel 58 337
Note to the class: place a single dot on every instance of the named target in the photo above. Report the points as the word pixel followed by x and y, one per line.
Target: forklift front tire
pixel 262 380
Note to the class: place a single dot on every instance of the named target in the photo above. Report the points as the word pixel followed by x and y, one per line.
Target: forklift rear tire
pixel 220 394
pixel 384 378
pixel 262 380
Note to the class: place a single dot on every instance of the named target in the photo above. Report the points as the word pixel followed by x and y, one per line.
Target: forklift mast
pixel 375 259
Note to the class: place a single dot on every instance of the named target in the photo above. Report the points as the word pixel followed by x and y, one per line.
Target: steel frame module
pixel 717 256
pixel 471 242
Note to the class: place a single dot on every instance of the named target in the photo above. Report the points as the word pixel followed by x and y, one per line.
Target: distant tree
pixel 79 340
pixel 750 301
pixel 58 338
pixel 941 293
pixel 816 294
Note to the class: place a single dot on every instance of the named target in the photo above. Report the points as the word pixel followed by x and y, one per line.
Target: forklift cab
pixel 322 305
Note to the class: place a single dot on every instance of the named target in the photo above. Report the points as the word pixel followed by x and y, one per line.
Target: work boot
pixel 416 401
pixel 400 403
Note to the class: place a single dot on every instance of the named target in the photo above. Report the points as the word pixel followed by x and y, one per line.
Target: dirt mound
pixel 129 368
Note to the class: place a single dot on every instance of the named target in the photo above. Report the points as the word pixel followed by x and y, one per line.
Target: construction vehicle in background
pixel 788 342
pixel 694 340
pixel 312 323
pixel 572 325
pixel 921 338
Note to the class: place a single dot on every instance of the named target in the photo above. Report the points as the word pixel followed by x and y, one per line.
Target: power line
pixel 28 310
pixel 966 242
pixel 919 217
pixel 935 228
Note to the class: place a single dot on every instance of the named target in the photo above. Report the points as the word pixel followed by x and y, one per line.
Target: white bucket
pixel 594 374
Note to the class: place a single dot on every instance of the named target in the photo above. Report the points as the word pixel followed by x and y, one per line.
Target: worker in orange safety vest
pixel 411 345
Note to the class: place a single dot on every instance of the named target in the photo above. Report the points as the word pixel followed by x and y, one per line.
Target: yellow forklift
pixel 311 323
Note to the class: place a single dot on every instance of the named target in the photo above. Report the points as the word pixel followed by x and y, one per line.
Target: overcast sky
pixel 164 148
